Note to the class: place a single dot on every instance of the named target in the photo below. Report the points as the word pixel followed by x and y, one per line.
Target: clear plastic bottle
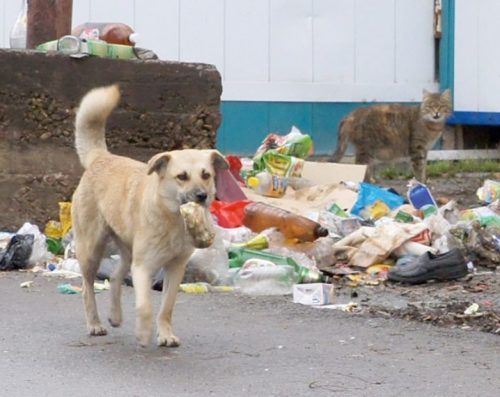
pixel 267 184
pixel 112 33
pixel 260 216
pixel 18 33
pixel 260 277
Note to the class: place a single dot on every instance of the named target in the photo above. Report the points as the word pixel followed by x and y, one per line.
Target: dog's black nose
pixel 201 197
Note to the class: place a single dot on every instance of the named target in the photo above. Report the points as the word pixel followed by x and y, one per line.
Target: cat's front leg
pixel 419 164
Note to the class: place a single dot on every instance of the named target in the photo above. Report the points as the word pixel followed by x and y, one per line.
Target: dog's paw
pixel 168 340
pixel 143 338
pixel 96 330
pixel 114 320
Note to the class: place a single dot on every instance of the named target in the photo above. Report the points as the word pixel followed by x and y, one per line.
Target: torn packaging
pixel 370 245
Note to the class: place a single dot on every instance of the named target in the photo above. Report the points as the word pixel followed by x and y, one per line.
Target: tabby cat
pixel 389 132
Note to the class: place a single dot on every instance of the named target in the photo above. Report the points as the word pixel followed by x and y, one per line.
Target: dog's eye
pixel 183 177
pixel 205 175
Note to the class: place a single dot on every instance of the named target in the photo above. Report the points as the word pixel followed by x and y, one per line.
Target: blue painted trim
pixel 447 46
pixel 475 118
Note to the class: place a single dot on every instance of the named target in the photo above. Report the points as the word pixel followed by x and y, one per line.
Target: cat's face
pixel 436 107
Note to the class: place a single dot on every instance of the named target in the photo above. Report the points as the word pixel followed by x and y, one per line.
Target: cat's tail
pixel 342 140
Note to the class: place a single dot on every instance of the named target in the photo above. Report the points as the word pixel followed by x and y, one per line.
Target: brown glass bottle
pixel 112 33
pixel 260 216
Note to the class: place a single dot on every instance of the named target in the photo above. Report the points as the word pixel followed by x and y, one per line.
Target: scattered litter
pixel 345 307
pixel 313 294
pixel 472 309
pixel 26 284
pixel 69 289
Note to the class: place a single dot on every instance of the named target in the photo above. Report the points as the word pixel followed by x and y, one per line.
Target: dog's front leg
pixel 173 277
pixel 141 277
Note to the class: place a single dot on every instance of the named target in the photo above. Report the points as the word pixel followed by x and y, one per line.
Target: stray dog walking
pixel 137 206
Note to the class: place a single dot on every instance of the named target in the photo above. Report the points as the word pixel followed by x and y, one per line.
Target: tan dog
pixel 137 206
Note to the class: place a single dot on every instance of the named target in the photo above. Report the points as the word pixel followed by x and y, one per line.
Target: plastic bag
pixel 489 192
pixel 40 253
pixel 293 144
pixel 369 193
pixel 229 214
pixel 208 265
pixel 16 255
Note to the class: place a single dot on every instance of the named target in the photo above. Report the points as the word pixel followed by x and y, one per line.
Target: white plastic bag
pixel 40 253
pixel 208 264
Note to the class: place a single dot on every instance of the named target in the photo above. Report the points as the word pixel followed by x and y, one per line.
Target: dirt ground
pixel 440 303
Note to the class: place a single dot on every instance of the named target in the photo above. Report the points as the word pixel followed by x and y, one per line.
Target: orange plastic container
pixel 110 32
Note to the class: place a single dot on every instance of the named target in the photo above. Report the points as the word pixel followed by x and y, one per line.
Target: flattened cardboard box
pixel 328 177
pixel 313 294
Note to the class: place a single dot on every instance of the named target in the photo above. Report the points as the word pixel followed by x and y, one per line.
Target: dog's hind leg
pixel 115 316
pixel 89 246
pixel 173 277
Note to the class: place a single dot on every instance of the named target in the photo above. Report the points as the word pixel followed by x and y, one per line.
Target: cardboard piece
pixel 329 173
pixel 316 198
pixel 313 294
pixel 310 200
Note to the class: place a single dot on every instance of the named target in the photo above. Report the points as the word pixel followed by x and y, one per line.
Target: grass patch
pixel 444 168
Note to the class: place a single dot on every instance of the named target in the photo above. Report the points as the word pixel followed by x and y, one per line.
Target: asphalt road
pixel 232 346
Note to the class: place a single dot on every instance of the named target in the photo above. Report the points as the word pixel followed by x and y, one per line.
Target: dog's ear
pixel 219 162
pixel 158 162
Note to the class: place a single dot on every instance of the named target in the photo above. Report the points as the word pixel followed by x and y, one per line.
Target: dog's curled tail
pixel 90 123
pixel 342 140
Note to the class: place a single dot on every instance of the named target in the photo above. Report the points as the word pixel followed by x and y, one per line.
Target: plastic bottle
pixel 17 37
pixel 261 277
pixel 419 195
pixel 267 184
pixel 260 216
pixel 238 257
pixel 110 32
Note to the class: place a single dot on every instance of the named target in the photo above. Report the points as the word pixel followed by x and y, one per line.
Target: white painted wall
pixel 477 60
pixel 283 50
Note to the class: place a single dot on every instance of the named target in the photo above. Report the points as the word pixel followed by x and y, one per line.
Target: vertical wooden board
pixel 466 56
pixel 414 42
pixel 202 32
pixel 244 127
pixel 375 41
pixel 488 75
pixel 157 23
pixel 284 115
pixel 247 40
pixel 81 12
pixel 291 40
pixel 333 41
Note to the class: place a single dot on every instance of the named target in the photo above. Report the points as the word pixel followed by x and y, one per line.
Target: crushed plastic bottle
pixel 18 33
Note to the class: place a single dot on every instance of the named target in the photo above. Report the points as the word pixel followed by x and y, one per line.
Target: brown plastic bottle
pixel 110 32
pixel 260 216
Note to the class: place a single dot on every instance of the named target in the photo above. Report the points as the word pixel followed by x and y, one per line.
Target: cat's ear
pixel 425 94
pixel 446 94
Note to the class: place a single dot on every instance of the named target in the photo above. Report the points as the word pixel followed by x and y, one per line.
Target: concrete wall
pixel 164 106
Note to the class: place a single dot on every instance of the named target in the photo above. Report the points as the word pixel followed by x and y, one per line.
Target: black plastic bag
pixel 17 253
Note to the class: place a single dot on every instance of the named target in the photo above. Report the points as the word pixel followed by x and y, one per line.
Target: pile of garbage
pixel 279 231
